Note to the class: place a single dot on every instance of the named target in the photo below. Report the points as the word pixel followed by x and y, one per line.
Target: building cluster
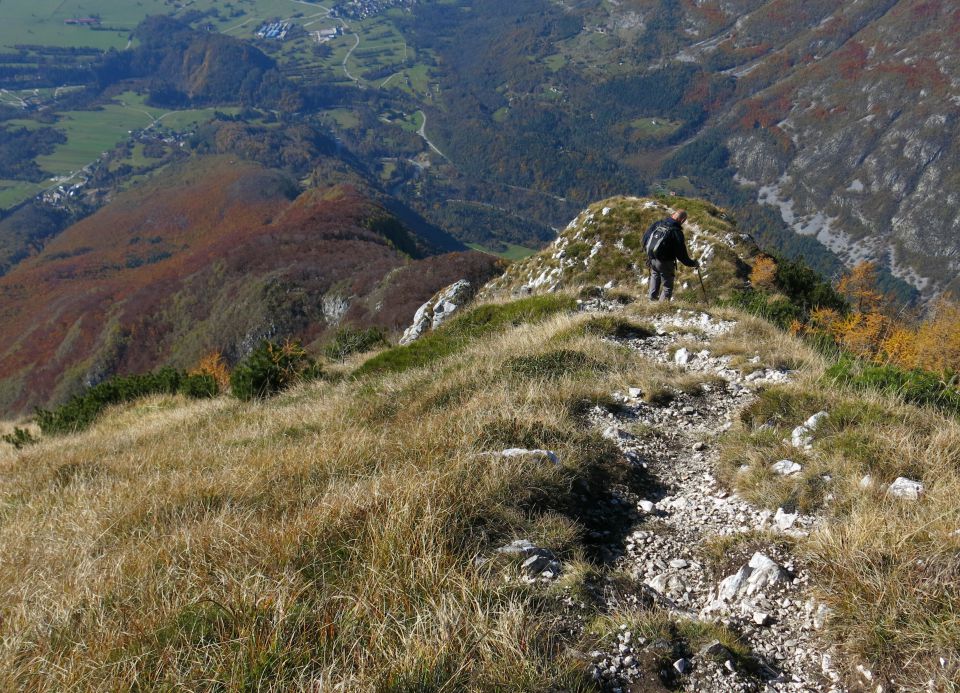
pixel 83 21
pixel 60 195
pixel 274 30
pixel 361 9
pixel 325 35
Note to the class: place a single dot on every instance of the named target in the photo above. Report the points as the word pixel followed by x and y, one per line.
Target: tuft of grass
pixel 553 364
pixel 614 326
pixel 348 341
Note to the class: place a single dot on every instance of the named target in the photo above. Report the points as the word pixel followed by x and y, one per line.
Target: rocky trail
pixel 677 539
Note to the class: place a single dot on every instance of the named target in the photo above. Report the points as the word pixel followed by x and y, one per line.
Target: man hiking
pixel 665 244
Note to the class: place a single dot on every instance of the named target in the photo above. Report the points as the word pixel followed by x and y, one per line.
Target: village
pixel 362 9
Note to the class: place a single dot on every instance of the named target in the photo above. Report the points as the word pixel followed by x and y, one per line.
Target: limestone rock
pixel 545 455
pixel 784 520
pixel 802 436
pixel 906 488
pixel 785 468
pixel 438 310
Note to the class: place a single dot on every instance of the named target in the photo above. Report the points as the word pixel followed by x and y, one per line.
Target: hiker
pixel 665 244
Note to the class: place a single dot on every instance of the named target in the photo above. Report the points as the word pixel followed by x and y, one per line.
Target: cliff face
pixel 849 126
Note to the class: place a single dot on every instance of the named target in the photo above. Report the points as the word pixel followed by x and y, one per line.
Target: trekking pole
pixel 702 287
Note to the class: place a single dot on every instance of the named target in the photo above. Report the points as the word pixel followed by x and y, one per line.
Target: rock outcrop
pixel 438 310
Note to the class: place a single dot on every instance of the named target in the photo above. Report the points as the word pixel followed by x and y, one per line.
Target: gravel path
pixel 756 587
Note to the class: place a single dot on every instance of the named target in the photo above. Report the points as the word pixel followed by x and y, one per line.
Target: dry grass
pixel 325 537
pixel 889 568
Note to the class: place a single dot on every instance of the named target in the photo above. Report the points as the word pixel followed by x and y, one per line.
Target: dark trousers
pixel 662 275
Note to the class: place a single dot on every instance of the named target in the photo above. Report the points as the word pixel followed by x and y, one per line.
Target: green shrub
pixel 915 386
pixel 81 410
pixel 199 386
pixel 271 368
pixel 19 439
pixel 466 327
pixel 349 341
pixel 777 309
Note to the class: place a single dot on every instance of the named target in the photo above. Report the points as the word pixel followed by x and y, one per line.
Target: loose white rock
pixel 522 452
pixel 785 468
pixel 906 488
pixel 682 357
pixel 783 520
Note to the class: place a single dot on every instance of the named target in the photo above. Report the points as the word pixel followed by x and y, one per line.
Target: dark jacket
pixel 677 244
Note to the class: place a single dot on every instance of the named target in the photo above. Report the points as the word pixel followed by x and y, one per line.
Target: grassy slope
pixel 261 544
pixel 326 535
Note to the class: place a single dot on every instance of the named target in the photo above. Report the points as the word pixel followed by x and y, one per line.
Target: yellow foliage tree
pixel 212 364
pixel 764 272
pixel 859 286
pixel 934 345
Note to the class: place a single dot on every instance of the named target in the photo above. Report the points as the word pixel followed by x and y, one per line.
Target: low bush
pixel 81 410
pixel 348 341
pixel 271 368
pixel 19 439
pixel 914 386
pixel 454 336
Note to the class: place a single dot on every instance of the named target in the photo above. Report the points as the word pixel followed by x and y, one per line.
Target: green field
pixel 40 22
pixel 13 192
pixel 654 126
pixel 513 252
pixel 92 133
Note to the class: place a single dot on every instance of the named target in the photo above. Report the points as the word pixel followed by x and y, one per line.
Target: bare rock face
pixel 438 310
pixel 859 145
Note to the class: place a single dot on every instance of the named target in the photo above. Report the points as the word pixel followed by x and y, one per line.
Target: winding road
pixel 423 133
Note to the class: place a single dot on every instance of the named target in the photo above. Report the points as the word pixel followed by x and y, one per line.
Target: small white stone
pixel 785 468
pixel 761 618
pixel 906 488
pixel 682 665
pixel 635 392
pixel 678 563
pixel 784 520
pixel 682 356
pixel 646 506
pixel 866 482
pixel 521 452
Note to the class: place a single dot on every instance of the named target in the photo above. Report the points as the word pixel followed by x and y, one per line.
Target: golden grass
pixel 324 537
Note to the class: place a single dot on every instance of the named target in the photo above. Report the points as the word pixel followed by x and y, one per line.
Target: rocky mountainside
pixel 603 245
pixel 830 127
pixel 849 126
pixel 213 255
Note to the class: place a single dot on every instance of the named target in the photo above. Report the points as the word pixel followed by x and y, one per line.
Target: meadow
pixel 90 134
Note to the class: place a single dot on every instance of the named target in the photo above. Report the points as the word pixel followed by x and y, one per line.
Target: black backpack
pixel 658 245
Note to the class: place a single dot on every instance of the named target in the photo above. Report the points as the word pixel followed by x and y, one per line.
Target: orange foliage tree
pixel 764 272
pixel 212 364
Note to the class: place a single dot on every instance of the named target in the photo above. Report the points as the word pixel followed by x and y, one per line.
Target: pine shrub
pixel 271 368
pixel 19 439
pixel 348 341
pixel 82 410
